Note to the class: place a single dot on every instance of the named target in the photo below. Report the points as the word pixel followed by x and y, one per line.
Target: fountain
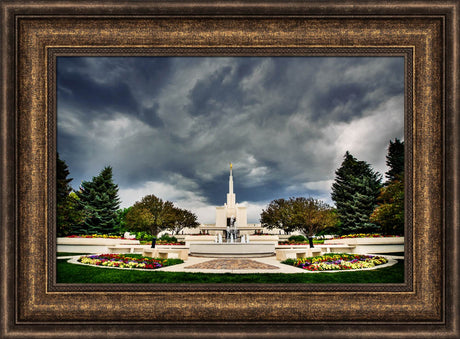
pixel 234 215
pixel 232 231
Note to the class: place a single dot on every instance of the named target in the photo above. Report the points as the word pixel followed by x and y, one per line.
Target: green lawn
pixel 71 273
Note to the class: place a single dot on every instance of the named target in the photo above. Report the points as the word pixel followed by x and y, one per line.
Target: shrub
pixel 144 236
pixel 168 238
pixel 297 238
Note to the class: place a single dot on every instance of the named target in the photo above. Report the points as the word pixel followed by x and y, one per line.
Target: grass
pixel 71 273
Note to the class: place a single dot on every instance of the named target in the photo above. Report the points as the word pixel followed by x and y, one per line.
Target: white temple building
pixel 231 211
pixel 230 218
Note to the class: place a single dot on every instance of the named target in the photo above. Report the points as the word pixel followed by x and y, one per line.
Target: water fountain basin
pixel 231 250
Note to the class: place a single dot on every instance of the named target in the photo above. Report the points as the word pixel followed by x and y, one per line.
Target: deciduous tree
pixel 312 216
pixel 183 219
pixel 278 214
pixel 151 215
pixel 390 211
pixel 306 215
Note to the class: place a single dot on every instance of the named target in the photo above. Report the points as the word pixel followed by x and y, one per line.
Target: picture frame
pixel 426 34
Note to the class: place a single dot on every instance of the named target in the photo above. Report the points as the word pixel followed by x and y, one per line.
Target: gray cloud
pixel 174 124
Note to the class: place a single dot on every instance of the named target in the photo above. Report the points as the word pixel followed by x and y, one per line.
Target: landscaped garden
pixel 85 274
pixel 299 240
pixel 93 236
pixel 366 235
pixel 337 262
pixel 144 239
pixel 127 261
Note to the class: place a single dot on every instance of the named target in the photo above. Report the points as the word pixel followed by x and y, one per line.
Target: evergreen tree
pixel 99 202
pixel 63 187
pixel 355 193
pixel 395 160
pixel 67 214
pixel 390 211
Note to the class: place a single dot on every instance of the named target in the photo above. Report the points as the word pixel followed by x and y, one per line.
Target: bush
pixel 289 261
pixel 297 238
pixel 144 236
pixel 168 238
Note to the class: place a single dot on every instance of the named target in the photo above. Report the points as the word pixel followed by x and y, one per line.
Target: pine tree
pixel 390 211
pixel 355 193
pixel 67 214
pixel 99 202
pixel 395 160
pixel 63 187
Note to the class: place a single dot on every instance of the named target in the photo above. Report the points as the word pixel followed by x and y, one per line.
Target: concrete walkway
pixel 219 265
pixel 200 264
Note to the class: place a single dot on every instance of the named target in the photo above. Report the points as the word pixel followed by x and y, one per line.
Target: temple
pixel 231 213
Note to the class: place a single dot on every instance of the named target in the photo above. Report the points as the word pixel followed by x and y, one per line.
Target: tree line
pixel 94 208
pixel 363 203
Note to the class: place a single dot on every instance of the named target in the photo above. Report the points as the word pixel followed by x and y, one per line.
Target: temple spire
pixel 230 181
pixel 230 196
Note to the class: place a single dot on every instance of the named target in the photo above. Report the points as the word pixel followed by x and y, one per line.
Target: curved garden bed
pixel 337 262
pixel 131 261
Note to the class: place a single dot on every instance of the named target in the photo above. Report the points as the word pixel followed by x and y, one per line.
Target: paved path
pixel 232 265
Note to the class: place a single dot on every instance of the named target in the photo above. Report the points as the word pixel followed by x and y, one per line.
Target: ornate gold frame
pixel 32 36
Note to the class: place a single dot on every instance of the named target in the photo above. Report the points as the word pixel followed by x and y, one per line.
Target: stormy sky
pixel 170 126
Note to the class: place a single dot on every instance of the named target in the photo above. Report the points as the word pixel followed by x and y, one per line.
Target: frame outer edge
pixel 451 168
pixel 7 170
pixel 452 171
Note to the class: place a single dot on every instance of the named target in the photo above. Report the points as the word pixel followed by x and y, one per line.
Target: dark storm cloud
pixel 101 87
pixel 90 97
pixel 172 125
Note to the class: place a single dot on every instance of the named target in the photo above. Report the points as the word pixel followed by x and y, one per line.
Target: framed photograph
pixel 39 42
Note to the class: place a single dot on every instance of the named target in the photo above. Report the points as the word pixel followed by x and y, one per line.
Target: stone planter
pixel 370 245
pixel 90 245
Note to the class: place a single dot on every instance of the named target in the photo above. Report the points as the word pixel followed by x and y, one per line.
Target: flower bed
pixel 335 262
pixel 366 235
pixel 105 236
pixel 292 243
pixel 315 242
pixel 124 261
pixel 164 242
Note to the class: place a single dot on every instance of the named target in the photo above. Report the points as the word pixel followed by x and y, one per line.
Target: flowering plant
pixel 340 261
pixel 365 235
pixel 165 242
pixel 106 236
pixel 292 242
pixel 122 261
